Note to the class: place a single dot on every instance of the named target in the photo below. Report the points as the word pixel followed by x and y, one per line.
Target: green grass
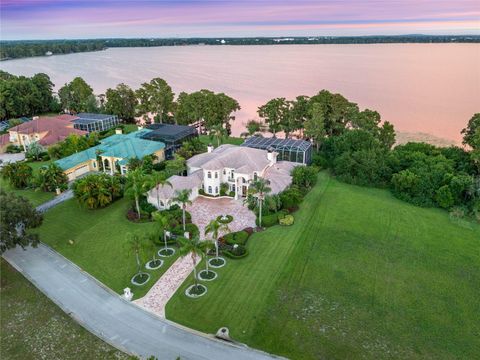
pixel 100 242
pixel 229 140
pixel 359 275
pixel 36 197
pixel 33 327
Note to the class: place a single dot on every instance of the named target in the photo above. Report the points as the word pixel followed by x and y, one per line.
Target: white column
pixel 236 189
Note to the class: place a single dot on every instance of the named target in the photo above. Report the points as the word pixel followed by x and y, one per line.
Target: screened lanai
pixel 171 135
pixel 299 151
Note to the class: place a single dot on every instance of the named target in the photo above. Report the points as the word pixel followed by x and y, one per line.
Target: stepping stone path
pixel 158 296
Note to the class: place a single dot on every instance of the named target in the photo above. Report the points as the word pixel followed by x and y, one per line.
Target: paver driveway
pixel 204 210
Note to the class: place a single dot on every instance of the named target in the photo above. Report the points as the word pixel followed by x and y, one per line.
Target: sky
pixel 61 19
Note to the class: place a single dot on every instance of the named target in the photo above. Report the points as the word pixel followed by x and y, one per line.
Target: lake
pixel 428 88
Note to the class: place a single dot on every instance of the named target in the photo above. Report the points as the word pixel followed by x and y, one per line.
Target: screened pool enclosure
pixel 299 151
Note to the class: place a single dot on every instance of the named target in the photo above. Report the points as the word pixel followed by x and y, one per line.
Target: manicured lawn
pixel 359 275
pixel 37 197
pixel 100 242
pixel 229 140
pixel 33 327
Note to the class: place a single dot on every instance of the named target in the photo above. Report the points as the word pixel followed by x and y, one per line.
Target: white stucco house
pixel 236 166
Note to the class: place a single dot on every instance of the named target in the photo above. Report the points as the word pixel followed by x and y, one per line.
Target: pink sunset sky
pixel 54 19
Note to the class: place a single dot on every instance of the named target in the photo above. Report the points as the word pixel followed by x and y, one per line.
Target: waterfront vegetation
pixel 49 333
pixel 359 274
pixel 28 48
pixel 97 241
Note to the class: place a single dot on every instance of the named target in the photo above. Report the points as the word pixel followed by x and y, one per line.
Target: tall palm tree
pixel 163 223
pixel 183 197
pixel 151 245
pixel 158 179
pixel 195 248
pixel 259 189
pixel 207 246
pixel 135 186
pixel 135 246
pixel 218 132
pixel 214 227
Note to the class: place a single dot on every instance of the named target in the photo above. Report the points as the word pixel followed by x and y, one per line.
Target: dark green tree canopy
pixel 17 216
pixel 121 101
pixel 76 95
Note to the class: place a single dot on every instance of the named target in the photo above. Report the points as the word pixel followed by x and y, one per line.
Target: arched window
pixel 216 175
pixel 209 189
pixel 209 175
pixel 224 172
pixel 106 164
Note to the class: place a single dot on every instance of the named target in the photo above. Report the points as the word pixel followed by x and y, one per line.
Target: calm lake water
pixel 430 88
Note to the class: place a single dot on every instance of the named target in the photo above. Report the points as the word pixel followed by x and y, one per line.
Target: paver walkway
pixel 158 296
pixel 203 210
pixel 66 195
pixel 120 323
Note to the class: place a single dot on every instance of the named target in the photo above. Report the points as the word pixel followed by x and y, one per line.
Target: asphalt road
pixel 118 322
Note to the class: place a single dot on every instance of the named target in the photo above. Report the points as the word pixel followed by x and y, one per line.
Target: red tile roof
pixel 56 127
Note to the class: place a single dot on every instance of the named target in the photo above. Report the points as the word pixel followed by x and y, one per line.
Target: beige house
pixel 112 155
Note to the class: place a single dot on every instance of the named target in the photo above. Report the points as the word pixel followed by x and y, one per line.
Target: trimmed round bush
pixel 239 237
pixel 268 220
pixel 287 220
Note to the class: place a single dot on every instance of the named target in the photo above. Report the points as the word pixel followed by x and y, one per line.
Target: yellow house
pixel 112 155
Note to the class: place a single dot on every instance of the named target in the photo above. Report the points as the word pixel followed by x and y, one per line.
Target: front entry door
pixel 244 190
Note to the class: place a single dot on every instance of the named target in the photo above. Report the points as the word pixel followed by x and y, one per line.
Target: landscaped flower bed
pixel 195 291
pixel 236 251
pixel 140 279
pixel 166 252
pixel 225 219
pixel 217 262
pixel 154 264
pixel 207 275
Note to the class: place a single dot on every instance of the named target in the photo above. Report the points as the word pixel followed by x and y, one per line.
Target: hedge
pixel 287 220
pixel 239 237
pixel 238 253
pixel 268 220
pixel 191 228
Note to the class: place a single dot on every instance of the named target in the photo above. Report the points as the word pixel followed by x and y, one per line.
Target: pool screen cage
pixel 299 151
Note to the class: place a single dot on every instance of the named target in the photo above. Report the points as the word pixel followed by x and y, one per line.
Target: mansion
pixel 236 166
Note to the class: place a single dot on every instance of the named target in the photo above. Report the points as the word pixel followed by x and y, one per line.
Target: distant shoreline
pixel 19 49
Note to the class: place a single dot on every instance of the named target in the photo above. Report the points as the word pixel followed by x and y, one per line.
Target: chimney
pixel 118 131
pixel 209 148
pixel 272 156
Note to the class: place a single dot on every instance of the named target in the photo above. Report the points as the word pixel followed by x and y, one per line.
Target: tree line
pixel 154 100
pixel 29 48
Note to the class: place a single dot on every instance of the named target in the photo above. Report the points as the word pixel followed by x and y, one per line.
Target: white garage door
pixel 78 172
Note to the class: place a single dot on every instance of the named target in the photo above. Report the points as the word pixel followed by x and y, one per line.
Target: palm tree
pixel 135 245
pixel 151 245
pixel 51 177
pixel 135 186
pixel 218 132
pixel 158 179
pixel 207 246
pixel 163 223
pixel 183 197
pixel 195 248
pixel 259 189
pixel 214 227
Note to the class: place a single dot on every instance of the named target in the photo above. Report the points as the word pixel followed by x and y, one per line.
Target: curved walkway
pixel 118 322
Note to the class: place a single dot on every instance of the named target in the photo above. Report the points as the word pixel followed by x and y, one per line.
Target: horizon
pixel 75 20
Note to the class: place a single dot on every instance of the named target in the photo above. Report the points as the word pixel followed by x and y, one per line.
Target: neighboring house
pixel 95 122
pixel 236 166
pixel 111 155
pixel 44 130
pixel 173 136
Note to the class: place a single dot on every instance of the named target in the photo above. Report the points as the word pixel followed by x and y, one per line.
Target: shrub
pixel 223 189
pixel 13 149
pixel 52 177
pixel 269 220
pixel 191 228
pixel 291 197
pixel 45 157
pixel 146 207
pixel 231 194
pixel 237 252
pixel 97 190
pixel 18 174
pixel 239 237
pixel 287 220
pixel 304 176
